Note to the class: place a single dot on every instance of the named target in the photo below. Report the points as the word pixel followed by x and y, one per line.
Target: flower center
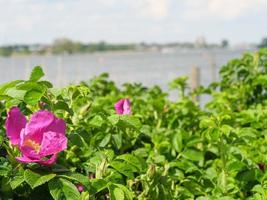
pixel 34 145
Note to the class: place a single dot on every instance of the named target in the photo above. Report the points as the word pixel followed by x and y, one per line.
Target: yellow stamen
pixel 34 145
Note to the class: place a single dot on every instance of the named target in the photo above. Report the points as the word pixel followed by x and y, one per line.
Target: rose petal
pixel 58 126
pixel 126 107
pixel 119 107
pixel 15 122
pixel 50 161
pixel 53 143
pixel 43 121
pixel 25 159
pixel 27 150
pixel 123 107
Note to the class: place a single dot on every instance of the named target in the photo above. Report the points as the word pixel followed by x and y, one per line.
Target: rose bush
pixel 151 148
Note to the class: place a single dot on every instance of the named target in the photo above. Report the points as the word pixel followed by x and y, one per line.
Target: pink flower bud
pixel 123 107
pixel 80 187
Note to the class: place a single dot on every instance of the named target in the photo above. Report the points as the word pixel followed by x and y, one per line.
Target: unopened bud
pixel 151 171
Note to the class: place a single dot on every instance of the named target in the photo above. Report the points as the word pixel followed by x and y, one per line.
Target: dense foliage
pixel 163 150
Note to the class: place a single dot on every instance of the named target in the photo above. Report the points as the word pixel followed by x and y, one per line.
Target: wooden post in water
pixel 213 68
pixel 59 71
pixel 195 80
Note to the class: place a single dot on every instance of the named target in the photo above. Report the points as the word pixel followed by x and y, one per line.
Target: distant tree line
pixel 263 43
pixel 63 46
pixel 67 46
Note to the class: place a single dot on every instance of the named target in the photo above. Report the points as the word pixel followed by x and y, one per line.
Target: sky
pixel 120 21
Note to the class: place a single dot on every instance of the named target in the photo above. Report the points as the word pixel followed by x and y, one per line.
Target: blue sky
pixel 31 21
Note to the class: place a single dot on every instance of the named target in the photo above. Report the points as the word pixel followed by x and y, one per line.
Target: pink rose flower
pixel 39 140
pixel 123 107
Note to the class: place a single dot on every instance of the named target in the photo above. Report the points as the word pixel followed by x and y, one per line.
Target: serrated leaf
pixel 35 180
pixel 69 189
pixel 97 121
pixel 119 192
pixel 18 180
pixel 6 86
pixel 131 120
pixel 124 168
pixel 62 188
pixel 114 119
pixel 131 159
pixel 55 189
pixel 15 93
pixel 98 184
pixel 5 170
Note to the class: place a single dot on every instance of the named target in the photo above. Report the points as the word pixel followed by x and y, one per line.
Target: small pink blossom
pixel 39 140
pixel 123 107
pixel 80 187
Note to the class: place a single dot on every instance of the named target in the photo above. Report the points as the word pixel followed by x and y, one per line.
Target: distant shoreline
pixel 130 52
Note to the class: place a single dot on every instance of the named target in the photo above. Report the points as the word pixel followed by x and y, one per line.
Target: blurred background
pixel 147 41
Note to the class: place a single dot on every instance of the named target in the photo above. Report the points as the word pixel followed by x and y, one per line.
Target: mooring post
pixel 213 68
pixel 195 79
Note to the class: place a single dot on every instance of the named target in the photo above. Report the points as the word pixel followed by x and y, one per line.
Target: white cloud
pixel 29 21
pixel 157 9
pixel 221 9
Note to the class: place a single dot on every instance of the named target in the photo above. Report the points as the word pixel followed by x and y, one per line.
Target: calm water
pixel 148 68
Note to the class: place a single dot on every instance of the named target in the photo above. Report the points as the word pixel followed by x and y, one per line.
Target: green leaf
pixel 132 121
pixel 226 129
pixel 98 184
pixel 35 180
pixel 15 93
pixel 5 170
pixel 124 168
pixel 60 188
pixel 55 189
pixel 105 140
pixel 75 139
pixel 246 176
pixel 97 121
pixel 131 159
pixel 69 189
pixel 178 141
pixel 46 83
pixel 119 192
pixel 115 193
pixel 33 96
pixel 193 155
pixel 61 105
pixel 207 123
pixel 114 119
pixel 18 180
pixel 235 166
pixel 6 86
pixel 117 138
pixel 81 178
pixel 37 73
